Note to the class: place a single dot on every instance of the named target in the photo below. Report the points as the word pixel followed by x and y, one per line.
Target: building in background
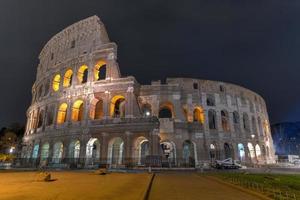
pixel 286 138
pixel 85 114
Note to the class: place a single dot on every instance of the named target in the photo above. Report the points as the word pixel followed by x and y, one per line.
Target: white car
pixel 228 163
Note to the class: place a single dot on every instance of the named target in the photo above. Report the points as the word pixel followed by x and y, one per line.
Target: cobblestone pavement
pixel 185 186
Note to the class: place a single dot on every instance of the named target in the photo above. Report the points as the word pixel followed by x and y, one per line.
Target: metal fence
pixel 270 191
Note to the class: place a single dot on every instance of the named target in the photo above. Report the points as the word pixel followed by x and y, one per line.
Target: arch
pixel 254 127
pixel 68 78
pixel 58 149
pixel 93 151
pixel 35 151
pixel 100 70
pixel 117 106
pixel 147 110
pixel 246 122
pixel 169 152
pixel 225 120
pixel 142 150
pixel 188 152
pixel 212 119
pixel 41 118
pixel 56 82
pixel 96 109
pixel 82 74
pixel 241 150
pixel 77 110
pixel 166 110
pixel 213 152
pixel 62 113
pixel 257 151
pixel 49 118
pixel 198 115
pixel 74 149
pixel 210 100
pixel 228 151
pixel 116 151
pixel 251 151
pixel 45 152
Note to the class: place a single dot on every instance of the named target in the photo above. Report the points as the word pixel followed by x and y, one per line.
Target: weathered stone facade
pixel 83 113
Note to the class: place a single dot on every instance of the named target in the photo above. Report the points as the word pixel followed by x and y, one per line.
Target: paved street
pixel 192 186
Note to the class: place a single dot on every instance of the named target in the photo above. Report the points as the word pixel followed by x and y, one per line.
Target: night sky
pixel 255 44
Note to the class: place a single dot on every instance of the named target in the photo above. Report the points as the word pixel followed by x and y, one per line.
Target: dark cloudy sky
pixel 253 43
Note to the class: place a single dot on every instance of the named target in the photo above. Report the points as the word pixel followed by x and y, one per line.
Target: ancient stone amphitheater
pixel 85 114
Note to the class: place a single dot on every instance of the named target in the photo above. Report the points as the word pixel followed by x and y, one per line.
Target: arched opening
pixel 246 122
pixel 74 151
pixel 188 154
pixel 166 110
pixel 77 110
pixel 213 152
pixel 259 126
pixel 49 119
pixel 236 121
pixel 35 151
pixel 257 151
pixel 225 120
pixel 142 150
pixel 62 113
pixel 241 150
pixel 41 119
pixel 117 106
pixel 93 151
pixel 251 151
pixel 199 115
pixel 212 119
pixel 228 151
pixel 58 149
pixel 45 152
pixel 68 78
pixel 96 109
pixel 210 100
pixel 82 74
pixel 169 153
pixel 56 82
pixel 100 70
pixel 116 151
pixel 254 127
pixel 146 110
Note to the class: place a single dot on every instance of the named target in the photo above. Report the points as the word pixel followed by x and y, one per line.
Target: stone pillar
pixel 127 148
pixel 104 149
pixel 154 134
pixel 106 105
pixel 112 68
pixel 129 103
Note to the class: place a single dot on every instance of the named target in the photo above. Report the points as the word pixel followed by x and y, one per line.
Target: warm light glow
pixel 113 105
pixel 56 82
pixel 77 110
pixel 82 72
pixel 199 114
pixel 97 68
pixel 251 150
pixel 68 78
pixel 96 109
pixel 62 112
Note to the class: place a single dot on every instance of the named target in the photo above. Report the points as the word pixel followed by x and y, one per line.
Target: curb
pixel 146 194
pixel 259 195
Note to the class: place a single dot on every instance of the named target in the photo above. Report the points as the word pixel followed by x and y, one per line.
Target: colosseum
pixel 84 114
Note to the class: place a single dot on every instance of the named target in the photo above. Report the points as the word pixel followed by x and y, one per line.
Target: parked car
pixel 228 163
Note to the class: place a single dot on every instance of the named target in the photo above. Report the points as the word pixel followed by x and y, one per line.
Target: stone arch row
pixel 254 153
pixel 254 125
pixel 70 77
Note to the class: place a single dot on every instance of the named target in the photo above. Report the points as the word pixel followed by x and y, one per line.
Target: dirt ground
pixel 73 185
pixel 192 187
